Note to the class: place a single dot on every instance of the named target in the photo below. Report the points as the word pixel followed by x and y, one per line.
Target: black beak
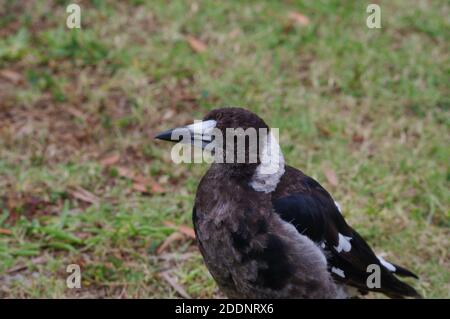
pixel 169 136
pixel 198 134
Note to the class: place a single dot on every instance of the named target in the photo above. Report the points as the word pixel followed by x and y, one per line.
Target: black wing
pixel 314 214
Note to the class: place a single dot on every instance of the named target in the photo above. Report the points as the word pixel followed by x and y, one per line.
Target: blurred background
pixel 364 111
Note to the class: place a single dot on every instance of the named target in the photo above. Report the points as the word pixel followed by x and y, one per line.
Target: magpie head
pixel 235 136
pixel 235 118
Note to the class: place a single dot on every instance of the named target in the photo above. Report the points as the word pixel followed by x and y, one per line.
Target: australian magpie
pixel 267 230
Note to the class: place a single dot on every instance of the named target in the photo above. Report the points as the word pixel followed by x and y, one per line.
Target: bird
pixel 268 230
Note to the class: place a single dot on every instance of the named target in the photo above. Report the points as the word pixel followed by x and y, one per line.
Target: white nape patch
pixel 338 271
pixel 386 264
pixel 269 172
pixel 338 206
pixel 343 244
pixel 322 245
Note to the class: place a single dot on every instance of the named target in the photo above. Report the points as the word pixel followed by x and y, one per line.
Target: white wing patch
pixel 343 244
pixel 338 206
pixel 338 271
pixel 386 264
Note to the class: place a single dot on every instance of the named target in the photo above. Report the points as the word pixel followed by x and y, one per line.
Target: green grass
pixel 371 105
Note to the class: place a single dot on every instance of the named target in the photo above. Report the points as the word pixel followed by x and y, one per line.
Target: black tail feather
pixel 403 272
pixel 395 288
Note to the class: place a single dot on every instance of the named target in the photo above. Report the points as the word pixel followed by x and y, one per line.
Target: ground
pixel 364 111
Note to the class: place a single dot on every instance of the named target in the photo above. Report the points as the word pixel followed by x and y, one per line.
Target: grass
pixel 78 109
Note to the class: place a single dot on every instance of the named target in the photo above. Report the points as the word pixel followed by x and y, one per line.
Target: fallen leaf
pixel 357 138
pixel 140 179
pixel 4 231
pixel 331 177
pixel 11 76
pixel 156 188
pixel 169 224
pixel 148 187
pixel 125 172
pixel 140 187
pixel 196 45
pixel 323 130
pixel 82 235
pixel 174 237
pixel 141 183
pixel 110 160
pixel 173 283
pixel 299 18
pixel 84 195
pixel 76 112
pixel 186 230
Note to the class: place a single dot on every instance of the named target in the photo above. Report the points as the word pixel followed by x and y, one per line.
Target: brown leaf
pixel 76 112
pixel 331 177
pixel 110 159
pixel 4 231
pixel 156 188
pixel 169 224
pixel 323 130
pixel 357 138
pixel 173 283
pixel 140 187
pixel 174 237
pixel 141 183
pixel 11 76
pixel 196 45
pixel 299 18
pixel 148 187
pixel 186 230
pixel 125 172
pixel 84 195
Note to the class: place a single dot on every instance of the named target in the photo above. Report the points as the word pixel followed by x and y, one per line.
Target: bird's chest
pixel 232 238
pixel 218 228
pixel 225 212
